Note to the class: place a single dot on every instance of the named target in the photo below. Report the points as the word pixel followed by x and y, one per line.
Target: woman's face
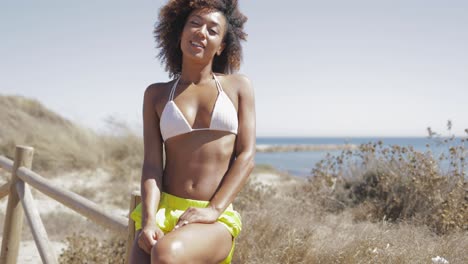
pixel 203 33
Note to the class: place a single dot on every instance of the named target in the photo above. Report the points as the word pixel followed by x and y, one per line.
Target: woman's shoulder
pixel 159 89
pixel 239 82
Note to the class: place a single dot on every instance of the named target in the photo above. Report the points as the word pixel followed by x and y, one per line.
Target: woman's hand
pixel 206 215
pixel 148 237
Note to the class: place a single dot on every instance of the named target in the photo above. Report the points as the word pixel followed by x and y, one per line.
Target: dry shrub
pixel 87 249
pixel 396 183
pixel 123 150
pixel 274 226
pixel 291 228
pixel 124 158
pixel 61 224
pixel 253 195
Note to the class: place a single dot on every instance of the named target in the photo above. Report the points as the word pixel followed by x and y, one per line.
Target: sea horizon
pixel 301 163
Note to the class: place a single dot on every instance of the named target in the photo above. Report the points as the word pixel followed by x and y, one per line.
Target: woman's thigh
pixel 194 243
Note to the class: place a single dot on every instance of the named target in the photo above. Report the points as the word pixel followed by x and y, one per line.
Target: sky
pixel 318 68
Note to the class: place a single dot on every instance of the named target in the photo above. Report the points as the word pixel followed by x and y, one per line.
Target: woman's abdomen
pixel 196 172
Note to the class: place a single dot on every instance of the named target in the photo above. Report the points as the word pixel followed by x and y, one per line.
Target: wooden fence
pixel 21 202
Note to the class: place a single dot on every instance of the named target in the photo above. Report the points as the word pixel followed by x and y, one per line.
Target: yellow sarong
pixel 172 207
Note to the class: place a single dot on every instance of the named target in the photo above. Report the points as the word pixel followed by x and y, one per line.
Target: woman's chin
pixel 198 57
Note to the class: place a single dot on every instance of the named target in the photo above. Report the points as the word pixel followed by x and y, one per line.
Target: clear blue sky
pixel 319 68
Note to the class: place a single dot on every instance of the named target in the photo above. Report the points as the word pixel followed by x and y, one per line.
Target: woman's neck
pixel 196 73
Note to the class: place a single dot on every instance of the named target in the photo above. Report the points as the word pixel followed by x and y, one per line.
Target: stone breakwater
pixel 304 147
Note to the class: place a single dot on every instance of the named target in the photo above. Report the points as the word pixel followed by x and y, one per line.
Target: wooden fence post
pixel 135 199
pixel 14 214
pixel 46 251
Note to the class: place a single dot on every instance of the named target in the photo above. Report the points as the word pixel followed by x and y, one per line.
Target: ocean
pixel 301 163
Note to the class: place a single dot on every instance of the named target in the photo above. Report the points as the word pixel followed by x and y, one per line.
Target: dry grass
pixel 375 204
pixel 280 229
pixel 396 183
pixel 89 249
pixel 59 145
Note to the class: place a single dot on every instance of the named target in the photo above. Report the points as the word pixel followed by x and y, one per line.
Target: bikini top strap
pixel 218 85
pixel 171 96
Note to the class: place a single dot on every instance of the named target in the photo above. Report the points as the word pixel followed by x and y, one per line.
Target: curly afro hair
pixel 171 22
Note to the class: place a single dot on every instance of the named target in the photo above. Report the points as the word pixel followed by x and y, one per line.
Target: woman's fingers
pixel 181 223
pixel 143 245
pixel 186 218
pixel 197 215
pixel 158 235
pixel 147 240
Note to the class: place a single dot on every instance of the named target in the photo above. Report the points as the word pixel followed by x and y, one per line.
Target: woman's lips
pixel 197 44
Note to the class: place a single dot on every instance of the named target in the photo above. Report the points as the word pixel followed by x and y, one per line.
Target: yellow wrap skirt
pixel 172 207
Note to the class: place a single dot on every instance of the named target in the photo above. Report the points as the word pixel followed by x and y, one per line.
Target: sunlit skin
pixel 203 165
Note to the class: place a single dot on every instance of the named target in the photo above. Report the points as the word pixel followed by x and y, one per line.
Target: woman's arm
pixel 152 170
pixel 244 163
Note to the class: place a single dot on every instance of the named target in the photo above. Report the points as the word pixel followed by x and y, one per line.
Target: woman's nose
pixel 201 32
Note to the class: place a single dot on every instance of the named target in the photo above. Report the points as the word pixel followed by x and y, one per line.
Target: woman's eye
pixel 213 32
pixel 195 22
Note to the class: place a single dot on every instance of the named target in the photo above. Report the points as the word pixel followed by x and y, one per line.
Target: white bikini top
pixel 223 117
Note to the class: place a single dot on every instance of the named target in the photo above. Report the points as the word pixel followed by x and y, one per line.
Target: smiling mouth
pixel 197 44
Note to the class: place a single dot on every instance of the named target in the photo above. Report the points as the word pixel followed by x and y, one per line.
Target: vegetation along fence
pixel 21 202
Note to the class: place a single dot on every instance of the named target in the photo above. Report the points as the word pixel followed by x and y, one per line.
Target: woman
pixel 205 118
